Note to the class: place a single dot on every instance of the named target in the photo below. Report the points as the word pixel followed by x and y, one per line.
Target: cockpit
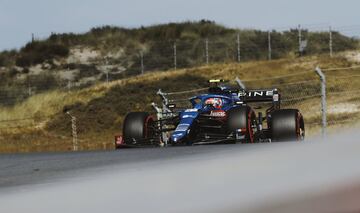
pixel 210 101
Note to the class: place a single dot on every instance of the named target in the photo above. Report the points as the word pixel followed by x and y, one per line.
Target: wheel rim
pixel 148 126
pixel 250 126
pixel 300 130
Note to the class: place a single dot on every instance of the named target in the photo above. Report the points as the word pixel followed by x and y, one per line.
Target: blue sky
pixel 20 18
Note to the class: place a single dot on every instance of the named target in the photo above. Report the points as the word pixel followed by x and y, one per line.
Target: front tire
pixel 287 125
pixel 137 127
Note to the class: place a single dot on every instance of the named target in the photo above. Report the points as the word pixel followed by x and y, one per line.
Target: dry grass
pixel 44 105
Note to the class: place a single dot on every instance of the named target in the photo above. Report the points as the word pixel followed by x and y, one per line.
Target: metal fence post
pixel 142 62
pixel 238 48
pixel 69 85
pixel 269 45
pixel 74 131
pixel 29 86
pixel 207 51
pixel 330 42
pixel 300 40
pixel 323 99
pixel 175 57
pixel 107 76
pixel 107 71
pixel 29 90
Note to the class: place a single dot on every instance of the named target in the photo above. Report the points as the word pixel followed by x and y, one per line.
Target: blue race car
pixel 222 115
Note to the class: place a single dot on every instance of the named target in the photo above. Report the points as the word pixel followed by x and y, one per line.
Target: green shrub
pixel 39 51
pixel 7 58
pixel 2 61
pixel 157 42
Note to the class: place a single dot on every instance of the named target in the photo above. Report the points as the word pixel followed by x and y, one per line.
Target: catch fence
pixel 303 90
pixel 332 102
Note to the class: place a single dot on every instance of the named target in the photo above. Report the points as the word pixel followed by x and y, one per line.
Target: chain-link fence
pixel 300 90
pixel 238 46
pixel 304 91
pixel 343 96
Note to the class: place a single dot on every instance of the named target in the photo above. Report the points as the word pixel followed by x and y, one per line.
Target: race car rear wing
pixel 267 95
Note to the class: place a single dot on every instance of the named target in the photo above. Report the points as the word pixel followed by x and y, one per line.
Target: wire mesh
pixel 299 89
pixel 343 96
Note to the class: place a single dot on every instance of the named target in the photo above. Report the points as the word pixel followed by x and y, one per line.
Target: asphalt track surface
pixel 311 176
pixel 37 168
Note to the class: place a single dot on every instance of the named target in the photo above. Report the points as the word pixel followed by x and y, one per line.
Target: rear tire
pixel 287 125
pixel 137 127
pixel 242 117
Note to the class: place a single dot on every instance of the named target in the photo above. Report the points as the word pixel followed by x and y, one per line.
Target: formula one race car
pixel 222 115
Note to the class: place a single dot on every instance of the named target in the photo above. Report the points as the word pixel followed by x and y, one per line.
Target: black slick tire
pixel 287 125
pixel 136 127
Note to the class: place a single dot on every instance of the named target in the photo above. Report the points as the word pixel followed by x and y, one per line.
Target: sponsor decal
pixel 260 93
pixel 182 127
pixel 276 97
pixel 188 116
pixel 178 135
pixel 241 94
pixel 218 113
pixel 191 110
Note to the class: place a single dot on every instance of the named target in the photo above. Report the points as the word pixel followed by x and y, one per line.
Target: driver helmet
pixel 217 103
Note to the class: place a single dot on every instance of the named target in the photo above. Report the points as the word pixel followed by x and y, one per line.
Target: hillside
pixel 66 61
pixel 100 109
